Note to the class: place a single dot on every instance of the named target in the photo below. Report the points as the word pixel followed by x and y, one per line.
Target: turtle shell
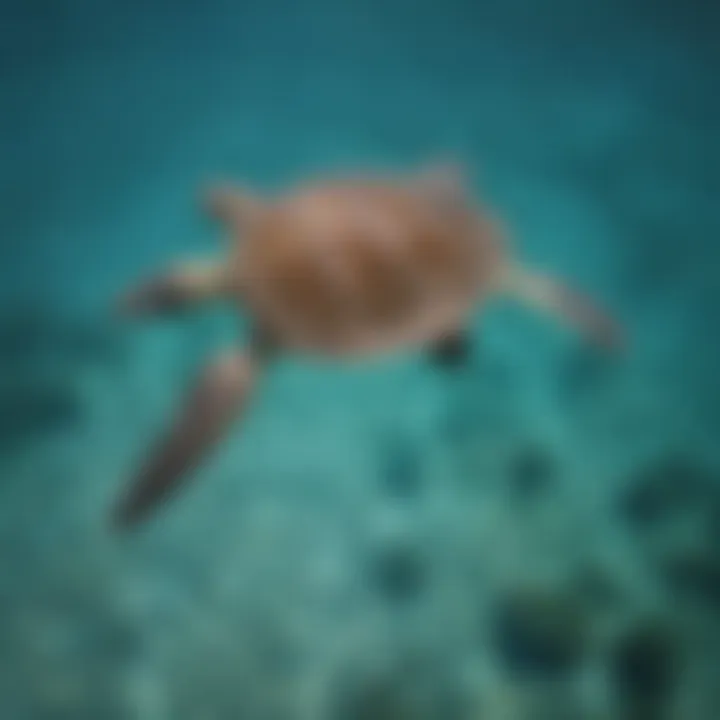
pixel 350 268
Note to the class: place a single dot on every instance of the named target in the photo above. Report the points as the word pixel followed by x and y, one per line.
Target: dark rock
pixel 695 574
pixel 399 572
pixel 401 471
pixel 93 341
pixel 531 472
pixel 382 698
pixel 33 338
pixel 24 337
pixel 28 410
pixel 539 636
pixel 42 351
pixel 596 587
pixel 405 692
pixel 668 487
pixel 645 667
pixel 714 527
pixel 117 643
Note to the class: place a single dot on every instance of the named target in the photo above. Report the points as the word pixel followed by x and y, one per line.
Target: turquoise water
pixel 535 535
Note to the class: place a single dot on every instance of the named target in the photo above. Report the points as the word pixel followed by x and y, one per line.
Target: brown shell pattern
pixel 353 268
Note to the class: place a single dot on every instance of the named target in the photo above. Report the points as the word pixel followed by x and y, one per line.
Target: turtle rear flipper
pixel 218 398
pixel 453 350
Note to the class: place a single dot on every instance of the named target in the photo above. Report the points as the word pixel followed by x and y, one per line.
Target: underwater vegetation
pixel 43 355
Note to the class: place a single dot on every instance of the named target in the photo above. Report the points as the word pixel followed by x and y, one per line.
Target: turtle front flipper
pixel 176 290
pixel 544 292
pixel 220 395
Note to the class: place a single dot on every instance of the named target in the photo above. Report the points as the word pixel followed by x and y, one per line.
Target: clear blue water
pixel 535 535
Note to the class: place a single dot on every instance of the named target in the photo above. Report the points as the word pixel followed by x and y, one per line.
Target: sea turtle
pixel 341 267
